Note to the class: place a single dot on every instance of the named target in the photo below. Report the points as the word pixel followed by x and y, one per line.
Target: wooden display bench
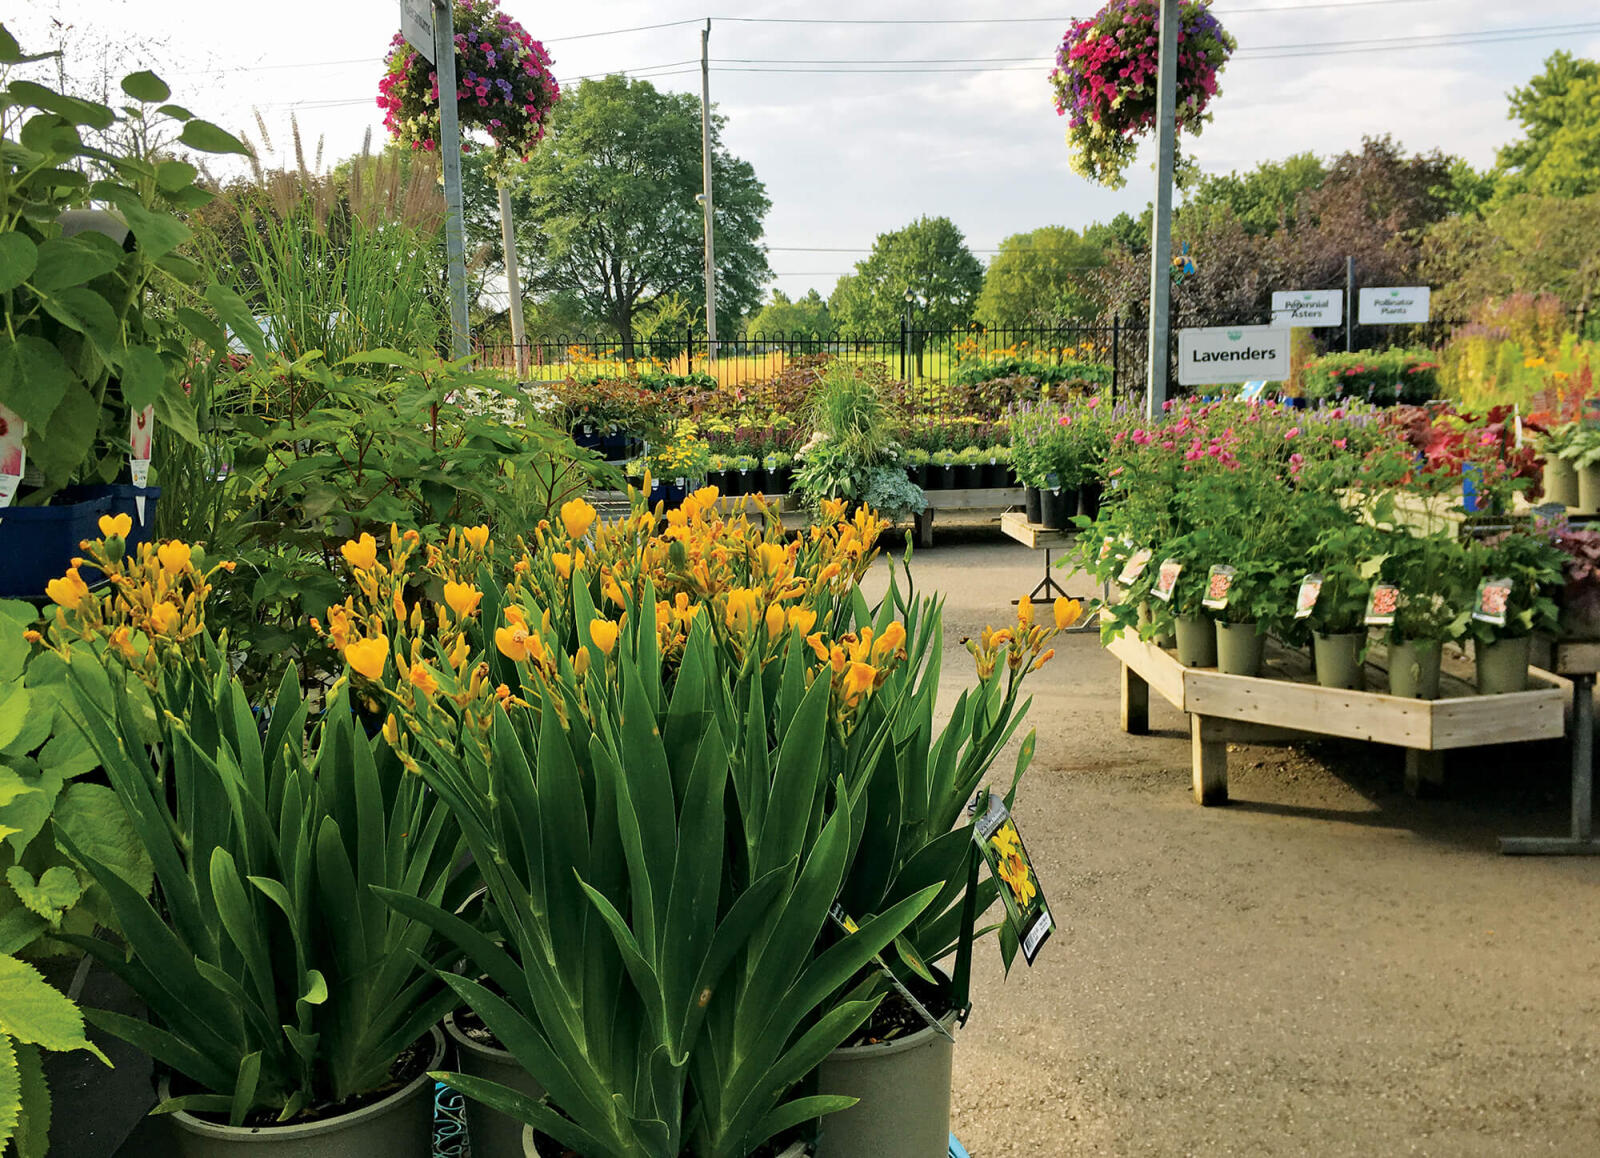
pixel 992 501
pixel 1578 661
pixel 1288 704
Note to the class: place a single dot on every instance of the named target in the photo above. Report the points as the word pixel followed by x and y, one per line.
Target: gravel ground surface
pixel 1323 967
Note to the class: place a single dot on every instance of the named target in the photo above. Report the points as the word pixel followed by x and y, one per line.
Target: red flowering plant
pixel 504 86
pixel 1451 444
pixel 1105 80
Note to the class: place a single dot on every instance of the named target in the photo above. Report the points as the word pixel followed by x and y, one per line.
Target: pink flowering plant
pixel 1105 80
pixel 504 86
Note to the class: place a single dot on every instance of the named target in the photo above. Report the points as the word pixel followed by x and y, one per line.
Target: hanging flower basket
pixel 1105 80
pixel 504 87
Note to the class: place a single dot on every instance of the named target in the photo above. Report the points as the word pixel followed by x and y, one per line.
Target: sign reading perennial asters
pixel 504 86
pixel 1105 80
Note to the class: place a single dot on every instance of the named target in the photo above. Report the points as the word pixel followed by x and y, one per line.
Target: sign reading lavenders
pixel 1221 354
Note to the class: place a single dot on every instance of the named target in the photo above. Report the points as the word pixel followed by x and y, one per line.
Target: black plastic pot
pixel 995 474
pixel 918 474
pixel 738 482
pixel 1056 509
pixel 780 481
pixel 1089 498
pixel 719 479
pixel 1032 504
pixel 969 476
pixel 942 476
pixel 758 481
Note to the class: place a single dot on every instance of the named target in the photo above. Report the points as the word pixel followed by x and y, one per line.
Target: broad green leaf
pixel 18 258
pixel 175 411
pixel 68 261
pixel 96 116
pixel 143 376
pixel 235 313
pixel 33 377
pixel 80 308
pixel 159 233
pixel 12 786
pixel 10 1090
pixel 202 327
pixel 29 813
pixel 145 86
pixel 31 1010
pixel 208 138
pixel 69 434
pixel 176 112
pixel 32 1138
pixel 56 891
pixel 93 818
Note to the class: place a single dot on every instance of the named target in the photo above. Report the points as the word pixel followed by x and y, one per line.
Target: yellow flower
pixel 68 591
pixel 604 634
pixel 890 642
pixel 1025 611
pixel 477 537
pixel 858 681
pixel 164 618
pixel 174 555
pixel 391 730
pixel 463 599
pixel 563 564
pixel 422 679
pixel 771 557
pixel 361 553
pixel 1067 612
pixel 801 618
pixel 577 517
pixel 742 612
pixel 115 526
pixel 512 641
pixel 775 621
pixel 580 662
pixel 368 656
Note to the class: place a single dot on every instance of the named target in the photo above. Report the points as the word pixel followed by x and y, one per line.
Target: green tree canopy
pixel 782 315
pixel 1559 151
pixel 1041 278
pixel 929 258
pixel 1263 199
pixel 1521 244
pixel 611 216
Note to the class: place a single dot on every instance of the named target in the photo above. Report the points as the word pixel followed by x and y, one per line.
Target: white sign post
pixel 1295 308
pixel 1393 305
pixel 1221 354
pixel 416 25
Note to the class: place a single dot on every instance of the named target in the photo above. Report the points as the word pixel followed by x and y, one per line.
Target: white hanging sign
pixel 1393 305
pixel 1294 308
pixel 416 23
pixel 1217 354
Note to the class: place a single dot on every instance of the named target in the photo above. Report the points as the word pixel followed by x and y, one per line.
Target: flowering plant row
pixel 1105 80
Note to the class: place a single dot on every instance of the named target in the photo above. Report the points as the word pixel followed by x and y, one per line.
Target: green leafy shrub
pixel 1382 377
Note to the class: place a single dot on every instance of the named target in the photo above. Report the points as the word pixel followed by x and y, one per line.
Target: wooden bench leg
pixel 1135 702
pixel 1424 772
pixel 925 528
pixel 1210 759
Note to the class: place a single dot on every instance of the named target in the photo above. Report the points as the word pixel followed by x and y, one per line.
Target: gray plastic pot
pixel 530 1148
pixel 493 1134
pixel 1503 665
pixel 904 1092
pixel 1588 490
pixel 1239 648
pixel 399 1126
pixel 1339 659
pixel 1146 618
pixel 1414 669
pixel 1560 482
pixel 1197 641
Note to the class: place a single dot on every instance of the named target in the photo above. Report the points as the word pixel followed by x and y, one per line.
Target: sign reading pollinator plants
pixel 1393 305
pixel 1232 354
pixel 1308 308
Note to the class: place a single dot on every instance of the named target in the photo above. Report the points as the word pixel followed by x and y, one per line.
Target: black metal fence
pixel 924 356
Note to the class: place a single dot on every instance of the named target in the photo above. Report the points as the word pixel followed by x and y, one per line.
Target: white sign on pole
pixel 1219 354
pixel 416 24
pixel 1308 308
pixel 1393 305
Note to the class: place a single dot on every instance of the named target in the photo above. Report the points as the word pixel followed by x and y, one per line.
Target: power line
pixel 620 31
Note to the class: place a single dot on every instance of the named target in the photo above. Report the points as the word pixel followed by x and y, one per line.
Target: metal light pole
pixel 705 176
pixel 905 336
pixel 508 242
pixel 1161 228
pixel 455 238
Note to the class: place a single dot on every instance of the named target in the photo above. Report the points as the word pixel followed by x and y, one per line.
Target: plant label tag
pixel 1105 548
pixel 1219 583
pixel 1001 845
pixel 1493 596
pixel 1382 603
pixel 1310 589
pixel 13 455
pixel 848 924
pixel 1134 567
pixel 1166 579
pixel 141 429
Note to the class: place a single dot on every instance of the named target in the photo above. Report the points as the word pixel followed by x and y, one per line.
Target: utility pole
pixel 508 242
pixel 705 168
pixel 1349 298
pixel 455 240
pixel 1161 229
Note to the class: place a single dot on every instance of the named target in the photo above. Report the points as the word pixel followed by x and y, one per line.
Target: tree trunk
pixel 625 327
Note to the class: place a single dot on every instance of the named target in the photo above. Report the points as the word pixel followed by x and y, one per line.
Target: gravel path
pixel 1322 967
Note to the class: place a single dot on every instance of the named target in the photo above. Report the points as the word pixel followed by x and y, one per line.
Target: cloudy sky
pixel 949 114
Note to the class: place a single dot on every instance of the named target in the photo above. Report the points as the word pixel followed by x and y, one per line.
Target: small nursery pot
pixel 1031 503
pixel 1338 659
pixel 969 476
pixel 1503 665
pixel 1056 509
pixel 996 474
pixel 1239 648
pixel 493 1134
pixel 1089 499
pixel 1414 669
pixel 1560 482
pixel 1588 490
pixel 399 1126
pixel 942 475
pixel 904 1092
pixel 531 1148
pixel 1146 618
pixel 1197 641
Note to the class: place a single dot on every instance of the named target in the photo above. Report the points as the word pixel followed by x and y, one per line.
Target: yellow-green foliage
pixel 1519 350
